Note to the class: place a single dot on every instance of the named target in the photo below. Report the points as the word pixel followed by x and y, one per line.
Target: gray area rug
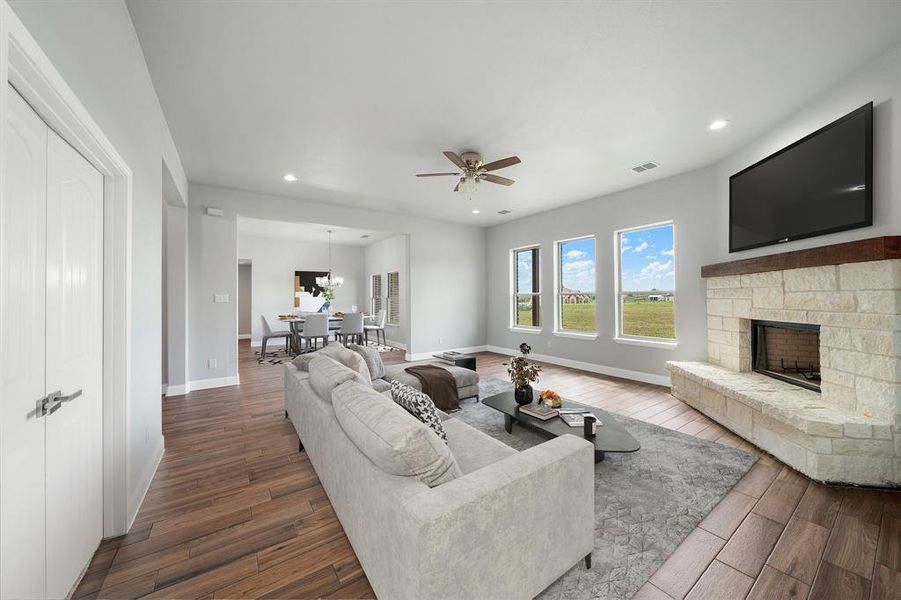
pixel 646 503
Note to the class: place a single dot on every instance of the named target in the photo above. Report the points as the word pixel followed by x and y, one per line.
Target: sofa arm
pixel 510 529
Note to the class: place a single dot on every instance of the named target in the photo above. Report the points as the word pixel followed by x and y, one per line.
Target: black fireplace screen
pixel 787 351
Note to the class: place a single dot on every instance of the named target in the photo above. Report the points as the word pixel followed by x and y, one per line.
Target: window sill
pixel 661 344
pixel 529 330
pixel 576 335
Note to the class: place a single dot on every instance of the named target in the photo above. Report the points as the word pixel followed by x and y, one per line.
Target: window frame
pixel 535 293
pixel 373 298
pixel 559 330
pixel 637 340
pixel 388 303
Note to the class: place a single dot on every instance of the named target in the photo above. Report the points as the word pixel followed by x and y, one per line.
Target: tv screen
pixel 820 184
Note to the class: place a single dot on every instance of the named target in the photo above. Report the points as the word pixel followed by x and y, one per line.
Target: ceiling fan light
pixel 468 185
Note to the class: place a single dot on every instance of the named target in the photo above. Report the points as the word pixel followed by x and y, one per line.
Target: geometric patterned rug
pixel 646 503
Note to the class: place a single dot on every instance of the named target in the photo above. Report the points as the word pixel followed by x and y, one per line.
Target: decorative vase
pixel 523 395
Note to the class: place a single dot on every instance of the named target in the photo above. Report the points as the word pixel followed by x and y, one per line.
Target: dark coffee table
pixel 612 437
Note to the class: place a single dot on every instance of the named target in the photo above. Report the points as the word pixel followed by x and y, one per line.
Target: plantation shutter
pixel 394 298
pixel 377 297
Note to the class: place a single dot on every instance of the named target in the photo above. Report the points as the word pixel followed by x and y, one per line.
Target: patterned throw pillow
pixel 420 406
pixel 372 358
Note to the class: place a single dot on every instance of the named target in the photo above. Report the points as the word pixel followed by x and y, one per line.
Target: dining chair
pixel 315 326
pixel 351 328
pixel 376 324
pixel 269 334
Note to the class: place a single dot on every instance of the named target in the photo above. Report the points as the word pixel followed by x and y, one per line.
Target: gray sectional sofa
pixel 469 518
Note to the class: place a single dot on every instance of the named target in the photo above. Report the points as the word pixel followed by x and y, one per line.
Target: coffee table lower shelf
pixel 611 436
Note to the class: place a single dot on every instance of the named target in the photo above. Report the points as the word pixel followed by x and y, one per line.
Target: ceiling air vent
pixel 645 167
pixel 505 211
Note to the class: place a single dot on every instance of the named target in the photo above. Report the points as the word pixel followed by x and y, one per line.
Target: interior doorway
pixel 245 293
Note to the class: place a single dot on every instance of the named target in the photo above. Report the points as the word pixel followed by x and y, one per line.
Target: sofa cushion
pixel 326 374
pixel 348 358
pixel 380 385
pixel 462 377
pixel 473 449
pixel 391 437
pixel 372 358
pixel 419 405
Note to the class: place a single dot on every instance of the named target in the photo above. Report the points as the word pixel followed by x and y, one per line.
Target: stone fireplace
pixel 804 358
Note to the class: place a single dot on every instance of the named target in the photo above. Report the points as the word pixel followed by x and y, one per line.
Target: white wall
pixel 446 272
pixel 245 295
pixel 95 48
pixel 879 81
pixel 685 199
pixel 164 299
pixel 177 298
pixel 274 263
pixel 698 203
pixel 390 256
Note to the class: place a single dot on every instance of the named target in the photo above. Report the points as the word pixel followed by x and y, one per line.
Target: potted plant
pixel 523 374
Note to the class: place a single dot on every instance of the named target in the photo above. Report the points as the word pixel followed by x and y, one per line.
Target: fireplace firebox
pixel 787 351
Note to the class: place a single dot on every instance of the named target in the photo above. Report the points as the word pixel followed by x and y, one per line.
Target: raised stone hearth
pixel 849 432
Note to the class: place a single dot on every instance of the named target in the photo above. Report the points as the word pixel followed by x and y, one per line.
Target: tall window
pixel 526 288
pixel 576 299
pixel 647 284
pixel 394 298
pixel 376 296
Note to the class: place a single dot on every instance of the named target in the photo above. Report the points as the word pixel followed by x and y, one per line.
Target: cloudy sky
pixel 648 259
pixel 577 265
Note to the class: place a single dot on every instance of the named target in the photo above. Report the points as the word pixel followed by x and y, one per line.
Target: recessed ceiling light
pixel 289 177
pixel 475 211
pixel 718 124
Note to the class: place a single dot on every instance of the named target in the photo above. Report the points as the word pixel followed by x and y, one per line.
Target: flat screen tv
pixel 820 184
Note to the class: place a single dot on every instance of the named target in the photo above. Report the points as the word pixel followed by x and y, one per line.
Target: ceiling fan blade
pixel 455 158
pixel 436 174
pixel 500 164
pixel 496 179
pixel 457 187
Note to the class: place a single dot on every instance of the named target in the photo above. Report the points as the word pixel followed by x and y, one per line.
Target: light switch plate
pixel 220 298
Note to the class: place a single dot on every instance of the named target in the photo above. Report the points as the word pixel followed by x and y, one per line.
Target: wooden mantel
pixel 877 248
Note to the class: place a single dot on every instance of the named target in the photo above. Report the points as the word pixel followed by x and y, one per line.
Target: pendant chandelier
pixel 328 280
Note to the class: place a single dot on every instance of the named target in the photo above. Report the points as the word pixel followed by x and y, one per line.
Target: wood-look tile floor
pixel 236 511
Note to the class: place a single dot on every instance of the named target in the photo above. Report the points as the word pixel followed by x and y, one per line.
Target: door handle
pixel 53 401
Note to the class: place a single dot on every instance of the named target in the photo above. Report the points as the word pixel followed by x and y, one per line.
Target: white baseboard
pixel 216 382
pixel 176 390
pixel 134 502
pixel 428 355
pixel 243 336
pixel 202 384
pixel 590 367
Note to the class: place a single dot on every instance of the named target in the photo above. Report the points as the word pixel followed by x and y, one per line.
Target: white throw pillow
pixel 326 374
pixel 392 438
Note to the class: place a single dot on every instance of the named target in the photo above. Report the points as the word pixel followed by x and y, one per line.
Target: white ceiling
pixel 354 98
pixel 309 232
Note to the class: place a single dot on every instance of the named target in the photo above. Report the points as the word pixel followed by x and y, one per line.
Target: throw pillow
pixel 302 361
pixel 327 373
pixel 348 358
pixel 420 406
pixel 372 358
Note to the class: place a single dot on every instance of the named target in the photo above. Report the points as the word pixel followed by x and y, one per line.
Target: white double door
pixel 51 340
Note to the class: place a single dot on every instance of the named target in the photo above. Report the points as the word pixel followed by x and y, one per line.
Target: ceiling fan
pixel 474 171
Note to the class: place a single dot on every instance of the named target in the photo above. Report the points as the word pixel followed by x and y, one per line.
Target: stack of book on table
pixel 539 411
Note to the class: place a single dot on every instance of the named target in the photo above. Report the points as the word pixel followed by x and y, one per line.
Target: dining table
pixel 295 324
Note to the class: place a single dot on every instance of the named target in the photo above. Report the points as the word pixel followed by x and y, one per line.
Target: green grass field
pixel 649 319
pixel 640 318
